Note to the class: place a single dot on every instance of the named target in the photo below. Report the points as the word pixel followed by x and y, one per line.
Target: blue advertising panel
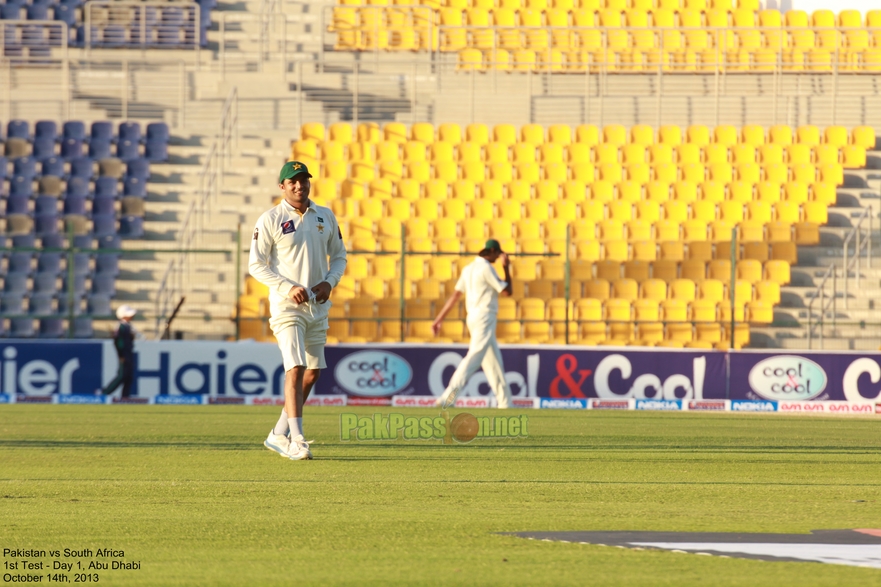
pixel 577 373
pixel 41 369
pixel 805 376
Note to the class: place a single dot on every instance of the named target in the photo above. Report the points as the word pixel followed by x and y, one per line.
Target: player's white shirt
pixel 481 285
pixel 290 248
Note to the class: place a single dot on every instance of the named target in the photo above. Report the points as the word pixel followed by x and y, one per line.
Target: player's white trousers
pixel 483 352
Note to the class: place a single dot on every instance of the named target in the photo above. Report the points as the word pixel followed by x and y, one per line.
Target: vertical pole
pixel 472 76
pixel 659 104
pixel 65 70
pixel 71 298
pixel 182 93
pixel 567 283
pixel 846 271
pixel 835 85
pixel 835 303
pixel 355 98
pixel 239 281
pixel 585 119
pixel 733 289
pixel 125 90
pixel 413 96
pixel 716 85
pixel 222 47
pixel 776 83
pixel 299 66
pixel 529 96
pixel 403 281
pixel 601 75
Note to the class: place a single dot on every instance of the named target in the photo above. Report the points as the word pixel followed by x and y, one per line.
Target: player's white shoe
pixel 299 449
pixel 277 442
pixel 447 400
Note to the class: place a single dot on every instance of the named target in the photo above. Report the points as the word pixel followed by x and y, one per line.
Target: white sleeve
pixel 492 278
pixel 336 249
pixel 259 260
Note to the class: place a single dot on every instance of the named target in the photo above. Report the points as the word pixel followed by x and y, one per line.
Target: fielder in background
pixel 289 254
pixel 124 343
pixel 481 285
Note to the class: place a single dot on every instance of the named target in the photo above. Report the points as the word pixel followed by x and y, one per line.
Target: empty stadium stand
pixel 644 218
pixel 68 191
pixel 613 36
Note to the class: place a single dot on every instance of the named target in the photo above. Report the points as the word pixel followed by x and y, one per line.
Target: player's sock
pixel 281 427
pixel 296 425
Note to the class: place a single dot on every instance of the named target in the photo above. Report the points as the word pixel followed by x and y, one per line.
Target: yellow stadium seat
pixel 541 288
pixel 795 191
pixel 749 270
pixel 538 210
pixel 703 310
pixel 666 230
pixel 780 134
pixel 455 209
pixel 638 230
pixel 565 211
pixel 505 134
pixel 675 211
pixel 648 211
pixel 501 172
pixel 665 172
pixel 532 133
pixel 777 271
pixel 450 132
pixel 767 291
pixel 775 173
pixel 657 191
pixel 474 171
pixel 808 134
pixel 786 212
pixel 853 157
pixel 740 191
pixel 824 193
pixel 863 136
pixel 665 269
pixel 779 231
pixel 529 172
pixel 427 209
pixel 560 134
pixel 610 230
pixel 492 190
pixel 587 134
pixel 524 153
pixel 682 289
pixel 519 191
pixel 719 269
pixel 435 189
pixel 703 210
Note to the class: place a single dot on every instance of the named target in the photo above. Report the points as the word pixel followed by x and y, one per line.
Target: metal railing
pixel 856 242
pixel 142 25
pixel 74 88
pixel 252 321
pixel 178 279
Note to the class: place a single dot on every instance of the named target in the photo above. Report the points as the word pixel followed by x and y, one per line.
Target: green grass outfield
pixel 192 494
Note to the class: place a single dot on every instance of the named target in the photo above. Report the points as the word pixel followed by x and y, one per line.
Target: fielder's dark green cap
pixel 491 245
pixel 292 169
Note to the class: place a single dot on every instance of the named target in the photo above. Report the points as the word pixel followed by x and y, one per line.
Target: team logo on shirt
pixel 257 233
pixel 320 228
pixel 287 227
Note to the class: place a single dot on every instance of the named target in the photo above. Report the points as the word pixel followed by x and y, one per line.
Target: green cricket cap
pixel 292 169
pixel 491 245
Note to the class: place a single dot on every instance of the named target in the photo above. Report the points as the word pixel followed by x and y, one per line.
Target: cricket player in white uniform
pixel 289 254
pixel 481 285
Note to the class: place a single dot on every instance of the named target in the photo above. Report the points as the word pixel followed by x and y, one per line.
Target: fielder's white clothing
pixel 481 285
pixel 290 248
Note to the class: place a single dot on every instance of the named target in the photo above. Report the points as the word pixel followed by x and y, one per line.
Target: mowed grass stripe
pixel 191 492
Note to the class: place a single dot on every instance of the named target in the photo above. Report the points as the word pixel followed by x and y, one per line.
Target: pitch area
pixel 192 495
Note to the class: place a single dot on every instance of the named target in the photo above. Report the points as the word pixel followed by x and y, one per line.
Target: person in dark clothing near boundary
pixel 124 343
